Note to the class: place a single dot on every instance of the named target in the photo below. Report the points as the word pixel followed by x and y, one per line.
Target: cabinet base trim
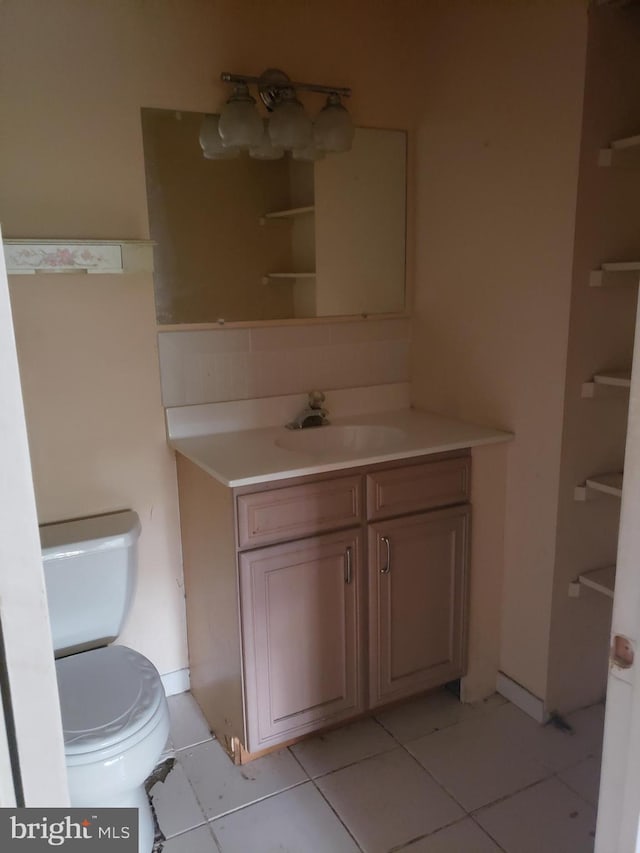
pixel 240 755
pixel 521 698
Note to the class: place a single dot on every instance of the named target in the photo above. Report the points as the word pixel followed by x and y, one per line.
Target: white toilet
pixel 114 710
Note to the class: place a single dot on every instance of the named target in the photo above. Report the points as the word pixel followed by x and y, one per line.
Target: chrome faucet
pixel 313 415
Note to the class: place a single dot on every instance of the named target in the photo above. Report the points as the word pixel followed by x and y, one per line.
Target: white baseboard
pixel 176 682
pixel 521 698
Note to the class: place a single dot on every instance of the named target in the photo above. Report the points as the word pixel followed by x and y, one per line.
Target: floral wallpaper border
pixel 27 257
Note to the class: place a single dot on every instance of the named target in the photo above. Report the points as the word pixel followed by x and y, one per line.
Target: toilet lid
pixel 106 696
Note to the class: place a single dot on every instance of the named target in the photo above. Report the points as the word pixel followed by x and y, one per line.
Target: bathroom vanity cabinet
pixel 312 600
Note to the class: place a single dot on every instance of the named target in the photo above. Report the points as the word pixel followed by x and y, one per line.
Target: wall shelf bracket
pixel 608 384
pixel 602 484
pixel 622 153
pixel 599 580
pixel 621 273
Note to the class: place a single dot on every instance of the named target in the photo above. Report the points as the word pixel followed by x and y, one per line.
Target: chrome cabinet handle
pixel 348 571
pixel 387 566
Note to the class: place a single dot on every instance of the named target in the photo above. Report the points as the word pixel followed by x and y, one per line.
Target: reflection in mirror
pixel 251 240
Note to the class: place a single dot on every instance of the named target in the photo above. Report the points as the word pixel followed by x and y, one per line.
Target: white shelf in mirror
pixel 600 580
pixel 601 484
pixel 621 152
pixel 286 275
pixel 608 383
pixel 615 274
pixel 31 256
pixel 289 213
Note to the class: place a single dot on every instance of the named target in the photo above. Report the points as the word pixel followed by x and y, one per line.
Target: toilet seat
pixel 110 699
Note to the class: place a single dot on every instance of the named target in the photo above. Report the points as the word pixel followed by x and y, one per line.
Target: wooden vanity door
pixel 300 632
pixel 417 580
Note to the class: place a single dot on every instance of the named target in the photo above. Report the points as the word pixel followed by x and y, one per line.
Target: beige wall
pixel 601 336
pixel 75 74
pixel 497 171
pixel 86 346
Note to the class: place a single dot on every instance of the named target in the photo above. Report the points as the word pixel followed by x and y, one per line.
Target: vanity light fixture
pixel 211 141
pixel 265 149
pixel 288 127
pixel 240 124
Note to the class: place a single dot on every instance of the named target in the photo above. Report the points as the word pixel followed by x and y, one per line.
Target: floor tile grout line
pixel 181 835
pixel 340 820
pixel 426 734
pixel 259 800
pixel 487 833
pixel 193 745
pixel 475 716
pixel 351 763
pixel 499 800
pixel 191 788
pixel 585 757
pixel 573 791
pixel 470 812
pixel 591 753
pixel 299 763
pixel 209 820
pixel 193 791
pixel 433 778
pixel 214 836
pixel 408 844
pixel 440 728
pixel 184 831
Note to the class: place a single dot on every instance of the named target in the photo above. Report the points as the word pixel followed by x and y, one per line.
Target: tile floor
pixel 428 776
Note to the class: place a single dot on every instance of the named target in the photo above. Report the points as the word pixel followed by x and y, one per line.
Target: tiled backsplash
pixel 262 412
pixel 239 364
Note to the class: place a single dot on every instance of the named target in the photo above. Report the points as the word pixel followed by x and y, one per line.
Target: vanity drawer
pixel 296 511
pixel 414 488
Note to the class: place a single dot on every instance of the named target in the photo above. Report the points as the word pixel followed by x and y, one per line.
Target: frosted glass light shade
pixel 310 153
pixel 266 150
pixel 289 125
pixel 333 128
pixel 211 141
pixel 240 123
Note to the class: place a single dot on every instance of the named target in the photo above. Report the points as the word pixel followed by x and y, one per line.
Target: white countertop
pixel 250 456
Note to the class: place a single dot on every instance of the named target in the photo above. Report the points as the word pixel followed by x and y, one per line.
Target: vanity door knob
pixel 387 566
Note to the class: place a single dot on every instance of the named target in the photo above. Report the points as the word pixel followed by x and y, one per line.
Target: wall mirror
pixel 251 240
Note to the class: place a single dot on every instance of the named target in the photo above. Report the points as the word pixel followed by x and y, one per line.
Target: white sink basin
pixel 356 439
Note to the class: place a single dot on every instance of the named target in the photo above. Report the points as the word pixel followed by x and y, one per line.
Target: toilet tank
pixel 89 571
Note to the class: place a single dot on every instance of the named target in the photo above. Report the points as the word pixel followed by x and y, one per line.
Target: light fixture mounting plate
pixel 272 83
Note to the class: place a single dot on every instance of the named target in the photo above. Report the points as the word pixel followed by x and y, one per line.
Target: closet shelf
pixel 600 484
pixel 615 274
pixel 621 152
pixel 31 256
pixel 600 580
pixel 289 212
pixel 608 383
